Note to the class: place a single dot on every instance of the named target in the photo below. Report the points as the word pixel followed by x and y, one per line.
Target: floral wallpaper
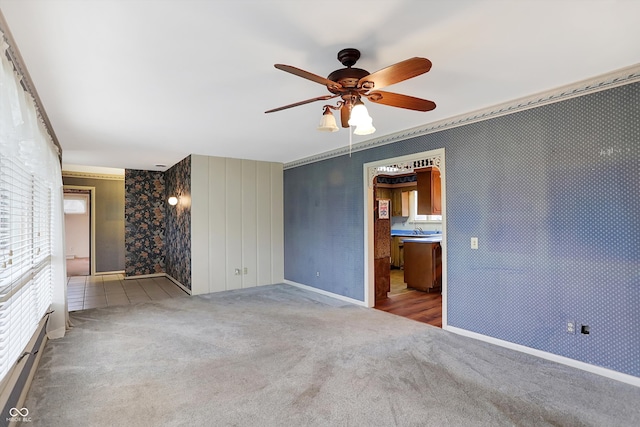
pixel 144 222
pixel 178 222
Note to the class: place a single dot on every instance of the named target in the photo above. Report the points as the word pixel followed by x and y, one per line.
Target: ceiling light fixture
pixel 356 115
pixel 359 114
pixel 173 200
pixel 351 84
pixel 328 122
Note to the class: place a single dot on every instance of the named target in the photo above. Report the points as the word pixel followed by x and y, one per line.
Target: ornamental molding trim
pixel 624 76
pixel 408 166
pixel 89 175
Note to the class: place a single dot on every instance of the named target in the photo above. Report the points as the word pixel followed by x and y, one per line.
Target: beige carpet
pixel 281 356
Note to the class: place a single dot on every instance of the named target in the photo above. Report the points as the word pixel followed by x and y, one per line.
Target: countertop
pixel 411 233
pixel 437 238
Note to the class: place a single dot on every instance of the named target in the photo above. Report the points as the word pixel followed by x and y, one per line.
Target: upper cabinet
pixel 400 202
pixel 429 191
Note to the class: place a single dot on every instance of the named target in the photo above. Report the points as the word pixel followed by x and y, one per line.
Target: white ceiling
pixel 135 83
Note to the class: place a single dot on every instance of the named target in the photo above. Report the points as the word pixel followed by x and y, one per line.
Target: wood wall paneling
pixel 233 205
pixel 249 224
pixel 277 223
pixel 217 234
pixel 245 224
pixel 199 220
pixel 263 221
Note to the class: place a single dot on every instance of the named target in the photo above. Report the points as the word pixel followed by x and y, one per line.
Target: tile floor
pixel 85 292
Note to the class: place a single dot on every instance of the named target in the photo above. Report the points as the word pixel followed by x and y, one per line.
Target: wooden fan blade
pixel 396 73
pixel 306 101
pixel 307 75
pixel 400 101
pixel 345 115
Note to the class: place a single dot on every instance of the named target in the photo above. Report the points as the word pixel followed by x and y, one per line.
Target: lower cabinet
pixel 397 249
pixel 423 265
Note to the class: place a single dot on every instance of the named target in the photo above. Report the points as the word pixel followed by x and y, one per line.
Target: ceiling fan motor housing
pixel 347 77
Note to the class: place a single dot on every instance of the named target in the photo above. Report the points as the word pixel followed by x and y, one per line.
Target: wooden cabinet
pixel 400 202
pixel 429 191
pixel 397 258
pixel 384 193
pixel 423 265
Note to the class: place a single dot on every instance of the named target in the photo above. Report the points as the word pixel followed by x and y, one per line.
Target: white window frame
pixel 413 212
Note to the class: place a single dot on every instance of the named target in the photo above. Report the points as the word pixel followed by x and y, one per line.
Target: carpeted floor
pixel 281 356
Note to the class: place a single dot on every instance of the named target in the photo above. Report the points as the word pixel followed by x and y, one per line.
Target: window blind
pixel 25 257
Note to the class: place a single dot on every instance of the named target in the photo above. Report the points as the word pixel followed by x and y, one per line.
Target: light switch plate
pixel 474 243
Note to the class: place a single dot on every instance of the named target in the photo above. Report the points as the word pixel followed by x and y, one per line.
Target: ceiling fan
pixel 352 84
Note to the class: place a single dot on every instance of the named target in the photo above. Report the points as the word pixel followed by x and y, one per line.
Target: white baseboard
pixel 146 276
pixel 102 273
pixel 184 288
pixel 326 293
pixel 598 370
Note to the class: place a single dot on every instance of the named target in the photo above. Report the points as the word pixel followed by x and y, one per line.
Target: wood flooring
pixel 413 304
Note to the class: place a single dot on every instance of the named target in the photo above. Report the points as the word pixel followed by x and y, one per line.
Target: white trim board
pixel 368 244
pixel 598 370
pixel 325 293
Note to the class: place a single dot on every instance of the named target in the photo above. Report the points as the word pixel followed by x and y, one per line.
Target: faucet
pixel 418 230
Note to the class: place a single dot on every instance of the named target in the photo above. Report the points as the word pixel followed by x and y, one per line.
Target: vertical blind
pixel 30 193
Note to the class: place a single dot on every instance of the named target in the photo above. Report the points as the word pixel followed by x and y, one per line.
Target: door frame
pixel 92 223
pixel 406 163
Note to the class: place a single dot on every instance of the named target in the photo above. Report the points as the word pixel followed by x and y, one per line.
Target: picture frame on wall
pixel 383 208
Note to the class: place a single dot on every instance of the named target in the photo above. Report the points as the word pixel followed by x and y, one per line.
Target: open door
pixel 382 245
pixel 79 231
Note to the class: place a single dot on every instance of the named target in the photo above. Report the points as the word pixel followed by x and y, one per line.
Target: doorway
pixel 421 306
pixel 79 214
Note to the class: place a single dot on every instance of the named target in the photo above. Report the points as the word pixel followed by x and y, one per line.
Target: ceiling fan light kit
pixel 328 122
pixel 352 84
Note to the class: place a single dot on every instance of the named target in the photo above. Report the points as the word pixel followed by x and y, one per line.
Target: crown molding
pixel 606 81
pixel 89 175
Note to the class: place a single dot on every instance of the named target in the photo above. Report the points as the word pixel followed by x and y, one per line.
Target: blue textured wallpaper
pixel 178 223
pixel 552 193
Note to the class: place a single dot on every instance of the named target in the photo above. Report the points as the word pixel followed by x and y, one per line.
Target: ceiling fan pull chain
pixel 350 139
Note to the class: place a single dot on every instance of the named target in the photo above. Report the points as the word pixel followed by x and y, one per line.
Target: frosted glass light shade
pixel 359 115
pixel 365 128
pixel 328 122
pixel 173 200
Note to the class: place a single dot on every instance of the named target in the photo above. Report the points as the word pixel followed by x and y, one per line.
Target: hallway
pixel 84 292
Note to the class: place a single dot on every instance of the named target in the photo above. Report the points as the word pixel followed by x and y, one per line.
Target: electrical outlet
pixel 571 327
pixel 474 243
pixel 317 274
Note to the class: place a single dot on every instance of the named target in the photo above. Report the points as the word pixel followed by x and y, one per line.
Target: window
pixel 74 205
pixel 413 211
pixel 30 202
pixel 25 257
